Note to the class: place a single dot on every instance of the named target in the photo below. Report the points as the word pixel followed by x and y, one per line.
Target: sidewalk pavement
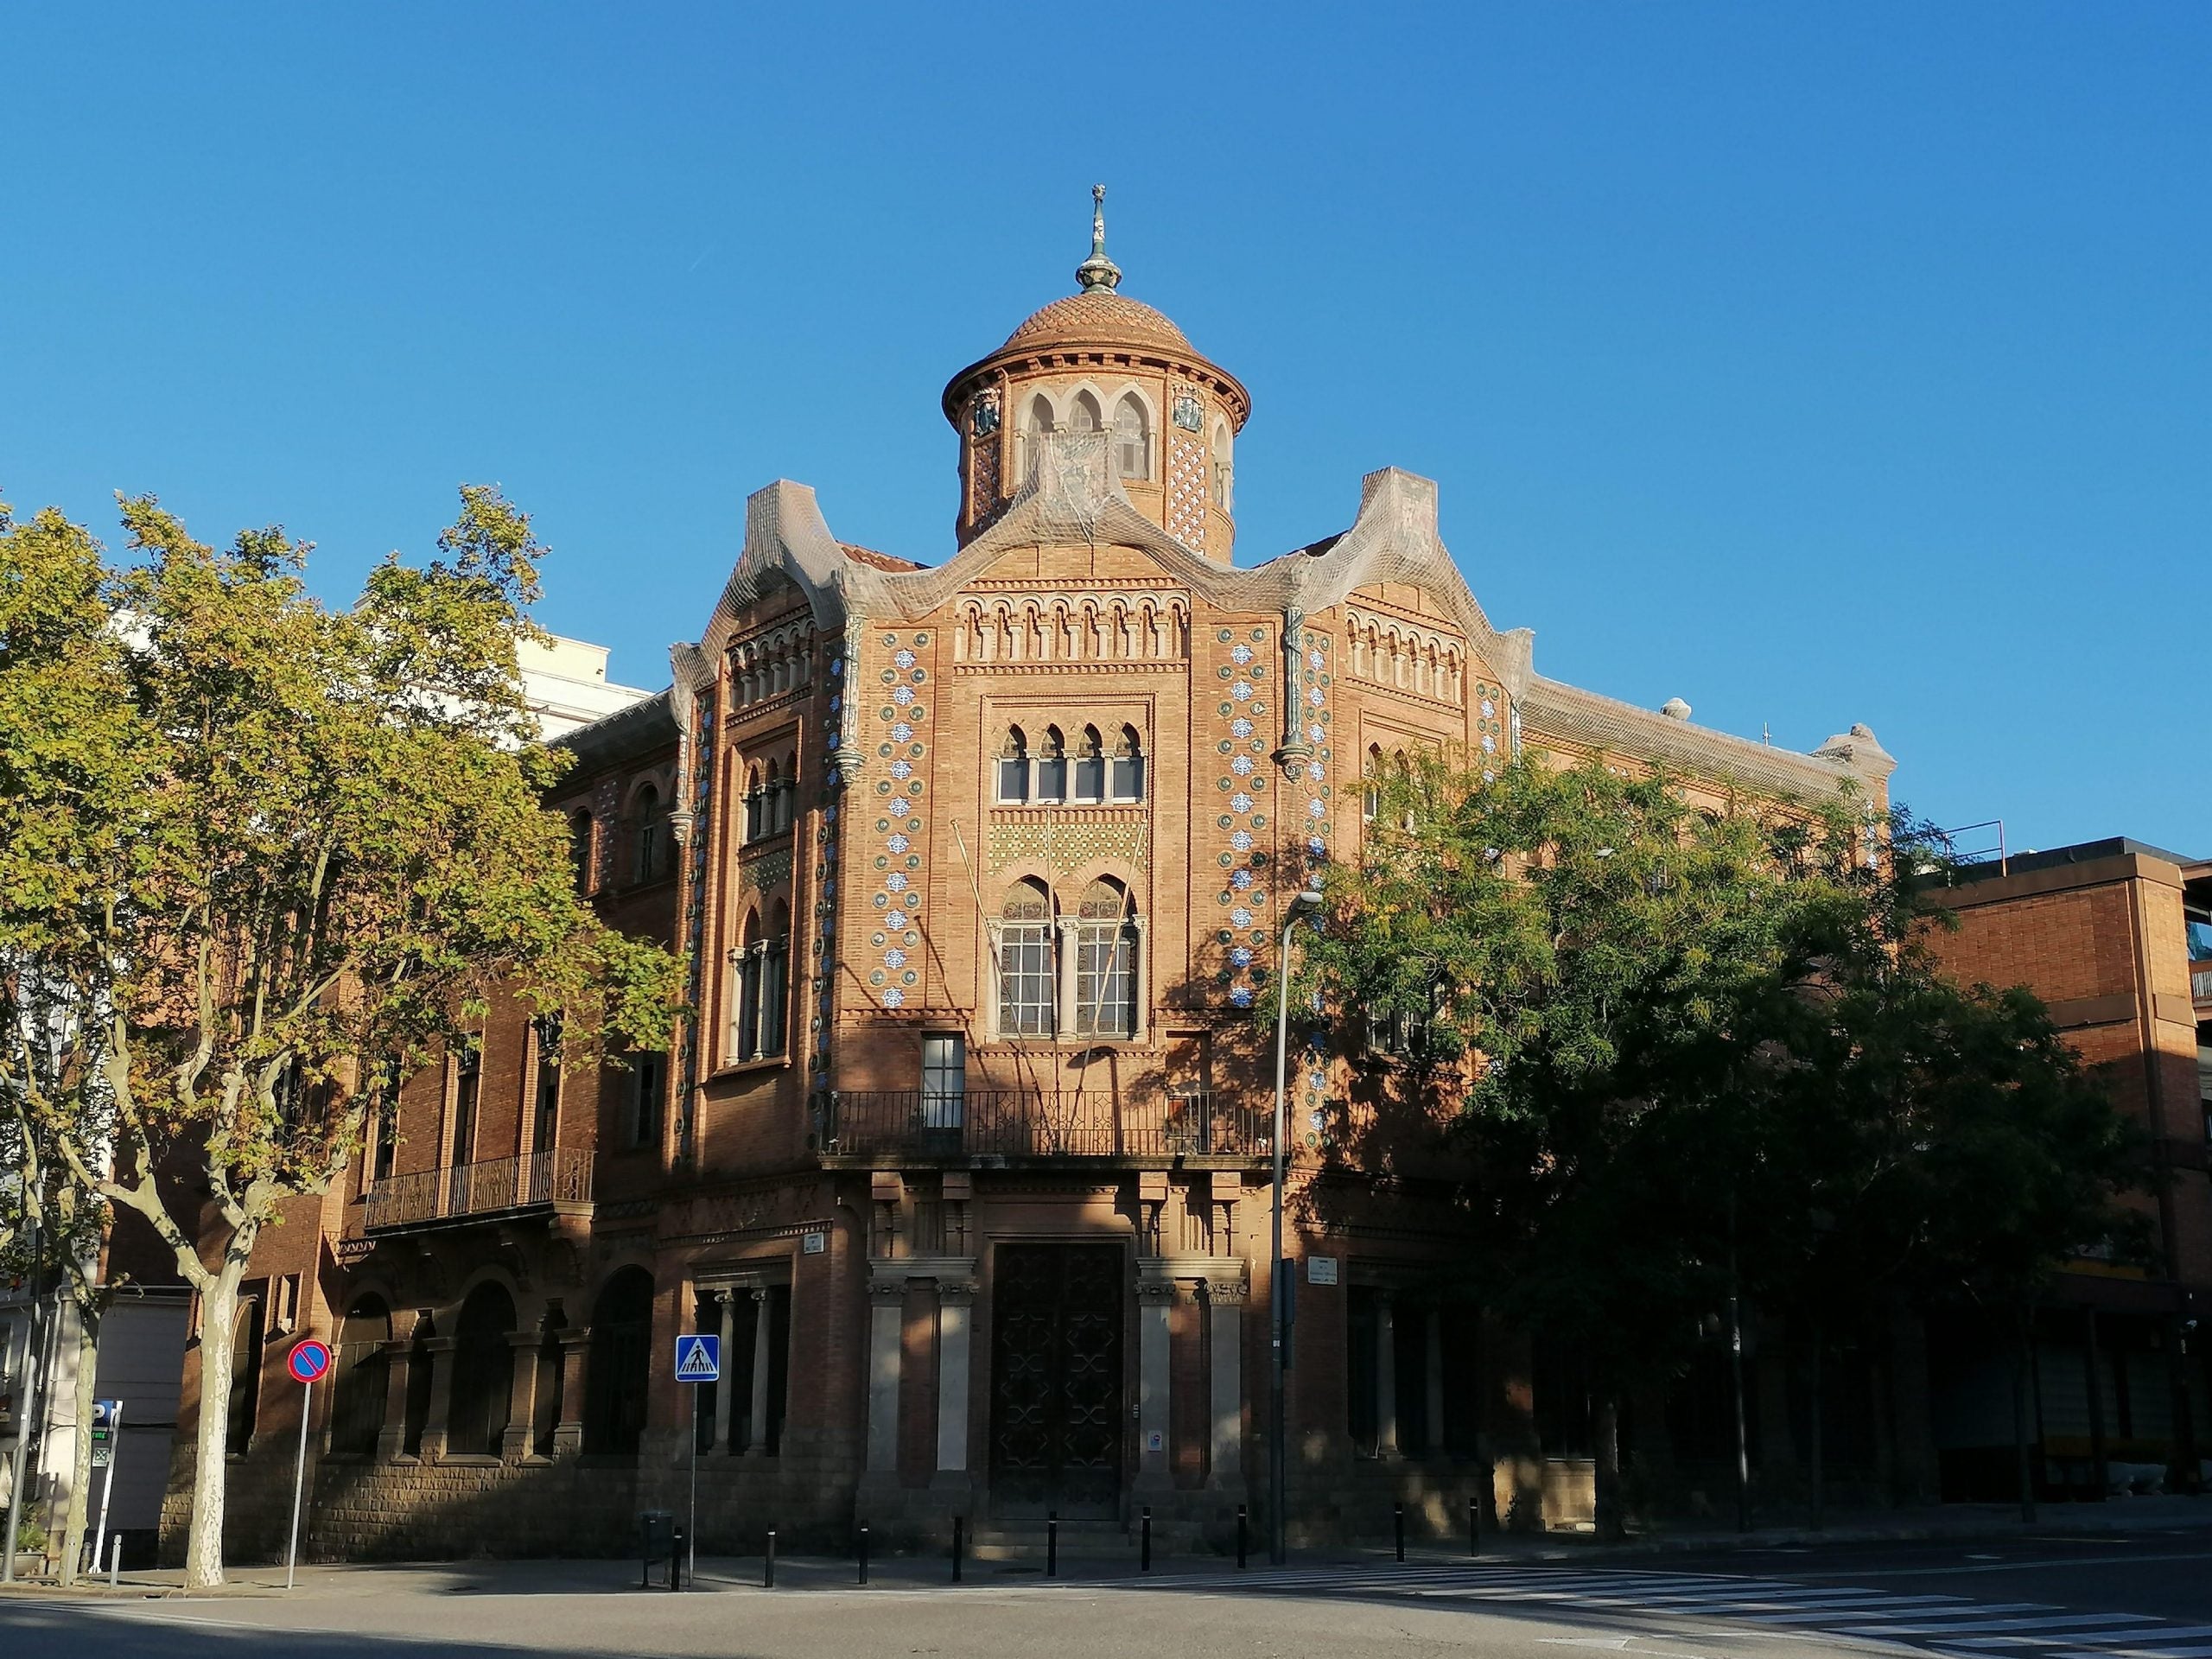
pixel 1962 1521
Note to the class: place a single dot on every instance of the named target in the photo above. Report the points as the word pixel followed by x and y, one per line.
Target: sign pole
pixel 298 1485
pixel 691 1525
pixel 107 1491
pixel 308 1360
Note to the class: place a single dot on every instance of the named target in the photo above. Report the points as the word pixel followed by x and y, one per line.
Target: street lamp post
pixel 1278 1291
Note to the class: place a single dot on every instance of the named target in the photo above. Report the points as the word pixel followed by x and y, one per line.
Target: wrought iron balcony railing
pixel 1043 1123
pixel 557 1175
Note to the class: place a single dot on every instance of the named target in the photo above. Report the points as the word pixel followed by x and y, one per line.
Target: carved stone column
pixel 955 1300
pixel 1386 1377
pixel 522 1396
pixel 1155 1299
pixel 725 1391
pixel 576 1358
pixel 434 1430
pixel 847 755
pixel 1225 1379
pixel 1068 1015
pixel 756 1423
pixel 1294 746
pixel 886 1301
pixel 391 1438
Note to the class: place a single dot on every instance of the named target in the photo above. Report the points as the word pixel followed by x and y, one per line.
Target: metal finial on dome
pixel 1098 273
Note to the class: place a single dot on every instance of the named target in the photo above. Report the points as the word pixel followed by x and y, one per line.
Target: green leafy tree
pixel 1582 946
pixel 254 848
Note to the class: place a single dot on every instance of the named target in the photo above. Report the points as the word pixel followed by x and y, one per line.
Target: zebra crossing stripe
pixel 1900 1607
pixel 2182 1633
pixel 2046 1622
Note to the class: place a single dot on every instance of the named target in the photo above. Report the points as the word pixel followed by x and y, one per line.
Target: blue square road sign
pixel 698 1358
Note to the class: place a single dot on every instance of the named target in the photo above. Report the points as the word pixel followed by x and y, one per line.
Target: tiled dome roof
pixel 1098 317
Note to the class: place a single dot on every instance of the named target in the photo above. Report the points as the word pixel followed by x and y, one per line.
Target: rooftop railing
pixel 557 1175
pixel 1043 1123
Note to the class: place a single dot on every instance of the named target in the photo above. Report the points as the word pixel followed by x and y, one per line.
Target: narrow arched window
pixel 756 815
pixel 1223 470
pixel 1131 440
pixel 1373 798
pixel 1052 767
pixel 1106 961
pixel 1083 416
pixel 1128 767
pixel 775 994
pixel 652 859
pixel 1025 948
pixel 1090 767
pixel 745 1024
pixel 1014 766
pixel 579 829
pixel 620 1370
pixel 483 1373
pixel 1036 425
pixel 364 1366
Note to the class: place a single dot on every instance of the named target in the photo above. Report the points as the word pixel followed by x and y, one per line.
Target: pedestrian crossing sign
pixel 698 1359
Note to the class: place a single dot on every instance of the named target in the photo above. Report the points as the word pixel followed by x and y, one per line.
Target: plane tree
pixel 255 850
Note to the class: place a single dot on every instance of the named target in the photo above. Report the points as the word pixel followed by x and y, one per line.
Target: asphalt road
pixel 2134 1596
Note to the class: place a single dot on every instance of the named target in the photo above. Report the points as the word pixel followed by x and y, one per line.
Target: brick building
pixel 2116 938
pixel 978 868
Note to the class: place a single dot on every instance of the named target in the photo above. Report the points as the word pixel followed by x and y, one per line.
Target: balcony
pixel 987 1126
pixel 556 1180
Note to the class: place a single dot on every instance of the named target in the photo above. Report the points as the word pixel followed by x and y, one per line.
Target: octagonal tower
pixel 1097 361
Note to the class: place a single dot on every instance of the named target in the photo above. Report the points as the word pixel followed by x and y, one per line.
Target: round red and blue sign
pixel 309 1360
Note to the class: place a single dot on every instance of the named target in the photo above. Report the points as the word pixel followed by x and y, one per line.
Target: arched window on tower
pixel 745 1007
pixel 1052 768
pixel 1090 768
pixel 1224 471
pixel 1083 416
pixel 1127 782
pixel 1373 798
pixel 1036 424
pixel 774 990
pixel 1132 439
pixel 1024 953
pixel 1106 961
pixel 1013 767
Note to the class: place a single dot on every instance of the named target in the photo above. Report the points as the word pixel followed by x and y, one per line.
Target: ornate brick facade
pixel 984 866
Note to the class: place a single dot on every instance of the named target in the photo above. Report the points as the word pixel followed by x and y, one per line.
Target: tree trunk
pixel 1610 1522
pixel 2020 1422
pixel 218 1319
pixel 78 1515
pixel 1818 1448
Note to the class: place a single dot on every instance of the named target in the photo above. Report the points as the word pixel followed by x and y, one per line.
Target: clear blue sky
pixel 1814 364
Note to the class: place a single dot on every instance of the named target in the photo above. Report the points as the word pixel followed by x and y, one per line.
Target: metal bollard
pixel 768 1575
pixel 959 1524
pixel 863 1554
pixel 1474 1526
pixel 1244 1537
pixel 1144 1548
pixel 675 1560
pixel 1052 1546
pixel 1398 1527
pixel 114 1564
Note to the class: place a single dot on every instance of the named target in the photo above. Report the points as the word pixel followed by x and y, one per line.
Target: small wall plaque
pixel 1320 1269
pixel 816 1243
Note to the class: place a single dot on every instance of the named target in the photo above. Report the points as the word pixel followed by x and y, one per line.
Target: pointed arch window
pixel 1052 768
pixel 1014 766
pixel 1224 471
pixel 1036 424
pixel 1025 951
pixel 1128 780
pixel 1106 961
pixel 652 845
pixel 1083 415
pixel 1132 439
pixel 579 829
pixel 1372 800
pixel 1090 768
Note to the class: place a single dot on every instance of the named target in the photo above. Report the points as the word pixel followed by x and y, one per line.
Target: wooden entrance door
pixel 1056 1378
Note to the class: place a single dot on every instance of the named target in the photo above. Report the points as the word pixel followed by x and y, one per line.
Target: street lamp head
pixel 1310 898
